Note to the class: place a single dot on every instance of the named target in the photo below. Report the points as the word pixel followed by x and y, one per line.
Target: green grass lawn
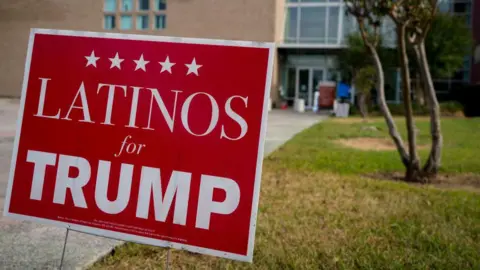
pixel 314 150
pixel 318 210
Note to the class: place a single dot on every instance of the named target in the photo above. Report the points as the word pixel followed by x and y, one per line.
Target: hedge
pixel 450 108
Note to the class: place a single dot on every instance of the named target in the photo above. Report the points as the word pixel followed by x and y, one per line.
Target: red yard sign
pixel 142 138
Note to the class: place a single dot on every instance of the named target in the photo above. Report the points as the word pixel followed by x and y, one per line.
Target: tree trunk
pixel 413 167
pixel 382 103
pixel 434 160
pixel 420 88
pixel 425 96
pixel 419 91
pixel 363 105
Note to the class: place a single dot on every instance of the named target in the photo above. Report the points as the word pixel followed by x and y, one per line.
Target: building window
pixel 462 7
pixel 144 5
pixel 110 5
pixel 468 18
pixel 389 32
pixel 466 68
pixel 476 54
pixel 333 75
pixel 160 21
pixel 109 22
pixel 349 27
pixel 126 22
pixel 160 4
pixel 291 24
pixel 458 76
pixel 444 6
pixel 134 14
pixel 333 25
pixel 142 22
pixel 127 5
pixel 312 24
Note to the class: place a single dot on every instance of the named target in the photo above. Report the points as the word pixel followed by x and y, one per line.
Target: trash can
pixel 299 105
pixel 342 110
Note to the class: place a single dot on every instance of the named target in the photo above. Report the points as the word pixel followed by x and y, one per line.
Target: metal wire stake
pixel 167 264
pixel 64 247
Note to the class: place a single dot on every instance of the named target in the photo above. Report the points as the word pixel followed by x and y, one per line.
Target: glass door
pixel 289 94
pixel 304 85
pixel 317 77
pixel 308 80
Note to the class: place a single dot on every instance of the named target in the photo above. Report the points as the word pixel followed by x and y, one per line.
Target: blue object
pixel 343 90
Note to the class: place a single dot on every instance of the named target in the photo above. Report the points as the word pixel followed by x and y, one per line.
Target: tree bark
pixel 419 91
pixel 425 96
pixel 382 103
pixel 363 105
pixel 420 86
pixel 434 160
pixel 413 166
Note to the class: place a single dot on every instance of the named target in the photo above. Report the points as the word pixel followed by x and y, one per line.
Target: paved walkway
pixel 284 124
pixel 25 245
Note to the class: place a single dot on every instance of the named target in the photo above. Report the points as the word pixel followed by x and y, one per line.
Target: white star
pixel 116 61
pixel 92 60
pixel 167 65
pixel 141 63
pixel 193 67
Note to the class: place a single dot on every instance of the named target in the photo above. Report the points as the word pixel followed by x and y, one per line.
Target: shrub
pixel 451 108
pixel 354 110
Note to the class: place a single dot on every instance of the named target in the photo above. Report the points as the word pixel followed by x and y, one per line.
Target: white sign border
pixel 130 237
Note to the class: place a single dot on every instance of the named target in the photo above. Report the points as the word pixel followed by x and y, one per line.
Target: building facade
pixel 475 72
pixel 314 34
pixel 220 19
pixel 467 74
pixel 309 34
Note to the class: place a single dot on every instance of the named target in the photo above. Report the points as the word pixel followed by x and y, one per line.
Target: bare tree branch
pixel 363 12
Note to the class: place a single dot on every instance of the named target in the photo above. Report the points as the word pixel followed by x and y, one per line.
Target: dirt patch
pixel 370 144
pixel 351 120
pixel 459 114
pixel 468 181
pixel 374 119
pixel 465 181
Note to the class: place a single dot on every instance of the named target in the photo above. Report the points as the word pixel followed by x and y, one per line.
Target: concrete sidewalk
pixel 284 124
pixel 8 117
pixel 25 245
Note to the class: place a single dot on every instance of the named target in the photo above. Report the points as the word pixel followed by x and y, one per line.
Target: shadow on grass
pixel 466 181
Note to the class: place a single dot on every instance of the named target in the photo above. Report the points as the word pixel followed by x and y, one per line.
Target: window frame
pixel 131 22
pixel 105 15
pixel 134 15
pixel 325 39
pixel 139 6
pixel 164 21
pixel 141 16
pixel 115 9
pixel 157 3
pixel 122 6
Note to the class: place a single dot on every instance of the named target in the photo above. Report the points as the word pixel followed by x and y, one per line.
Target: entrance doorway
pixel 307 82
